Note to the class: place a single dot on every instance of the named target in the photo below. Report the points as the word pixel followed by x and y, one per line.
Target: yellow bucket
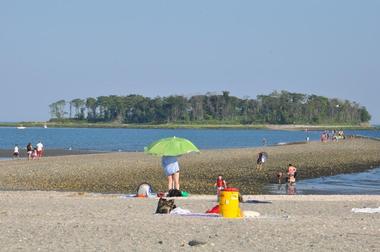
pixel 229 203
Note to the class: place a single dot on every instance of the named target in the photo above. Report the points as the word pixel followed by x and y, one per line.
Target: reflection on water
pixel 286 188
pixel 353 183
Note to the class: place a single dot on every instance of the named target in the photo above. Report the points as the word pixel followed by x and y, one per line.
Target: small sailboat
pixel 45 126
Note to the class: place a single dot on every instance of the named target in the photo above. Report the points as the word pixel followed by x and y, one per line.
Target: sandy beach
pixel 69 221
pixel 47 153
pixel 123 172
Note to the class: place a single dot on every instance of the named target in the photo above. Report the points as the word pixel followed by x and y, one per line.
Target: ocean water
pixel 367 182
pixel 137 139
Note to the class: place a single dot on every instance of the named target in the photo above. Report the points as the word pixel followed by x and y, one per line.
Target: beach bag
pixel 144 190
pixel 165 206
pixel 174 193
pixel 215 209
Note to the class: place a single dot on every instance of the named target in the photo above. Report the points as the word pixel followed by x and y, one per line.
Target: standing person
pixel 16 151
pixel 40 149
pixel 264 141
pixel 34 153
pixel 29 150
pixel 261 159
pixel 292 173
pixel 220 185
pixel 171 169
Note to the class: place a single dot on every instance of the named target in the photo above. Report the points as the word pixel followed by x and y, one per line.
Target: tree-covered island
pixel 212 108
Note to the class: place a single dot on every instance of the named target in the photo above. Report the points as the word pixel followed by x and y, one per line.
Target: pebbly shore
pixel 123 172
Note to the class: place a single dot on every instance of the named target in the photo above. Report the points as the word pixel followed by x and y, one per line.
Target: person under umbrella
pixel 169 149
pixel 171 170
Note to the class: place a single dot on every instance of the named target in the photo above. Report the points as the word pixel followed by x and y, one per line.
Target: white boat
pixel 45 126
pixel 21 127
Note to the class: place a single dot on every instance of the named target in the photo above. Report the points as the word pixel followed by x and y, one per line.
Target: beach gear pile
pixel 177 193
pixel 145 190
pixel 228 207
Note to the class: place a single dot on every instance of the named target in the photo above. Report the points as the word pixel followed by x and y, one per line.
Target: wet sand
pixel 123 172
pixel 68 221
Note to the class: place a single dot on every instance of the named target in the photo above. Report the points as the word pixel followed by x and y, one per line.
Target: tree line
pixel 276 108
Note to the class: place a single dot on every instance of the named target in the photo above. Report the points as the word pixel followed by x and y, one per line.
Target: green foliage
pixel 57 109
pixel 276 108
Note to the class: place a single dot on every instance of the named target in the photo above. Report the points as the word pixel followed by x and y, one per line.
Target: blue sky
pixel 51 50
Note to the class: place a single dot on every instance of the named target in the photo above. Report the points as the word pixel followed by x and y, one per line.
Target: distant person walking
pixel 40 149
pixel 16 153
pixel 29 150
pixel 264 141
pixel 261 159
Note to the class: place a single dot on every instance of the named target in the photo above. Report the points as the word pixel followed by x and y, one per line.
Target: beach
pixel 79 203
pixel 122 172
pixel 47 153
pixel 70 221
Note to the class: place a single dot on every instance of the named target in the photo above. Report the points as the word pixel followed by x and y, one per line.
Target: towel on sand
pixel 366 210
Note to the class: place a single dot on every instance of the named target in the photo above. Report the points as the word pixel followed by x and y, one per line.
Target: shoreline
pixel 4 153
pixel 7 154
pixel 122 172
pixel 72 221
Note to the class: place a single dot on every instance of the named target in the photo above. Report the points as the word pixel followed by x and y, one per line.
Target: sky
pixel 52 50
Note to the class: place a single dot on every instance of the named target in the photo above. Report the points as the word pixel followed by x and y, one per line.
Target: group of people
pixel 32 152
pixel 334 136
pixel 291 173
pixel 290 177
pixel 337 135
pixel 171 169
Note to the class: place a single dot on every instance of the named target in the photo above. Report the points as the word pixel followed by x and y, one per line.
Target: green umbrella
pixel 171 146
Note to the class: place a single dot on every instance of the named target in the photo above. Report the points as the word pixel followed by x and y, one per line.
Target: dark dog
pixel 279 175
pixel 165 206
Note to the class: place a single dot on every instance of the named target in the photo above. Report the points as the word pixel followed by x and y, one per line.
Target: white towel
pixel 366 210
pixel 180 211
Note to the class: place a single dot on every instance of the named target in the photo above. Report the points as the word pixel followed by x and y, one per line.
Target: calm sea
pixel 137 139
